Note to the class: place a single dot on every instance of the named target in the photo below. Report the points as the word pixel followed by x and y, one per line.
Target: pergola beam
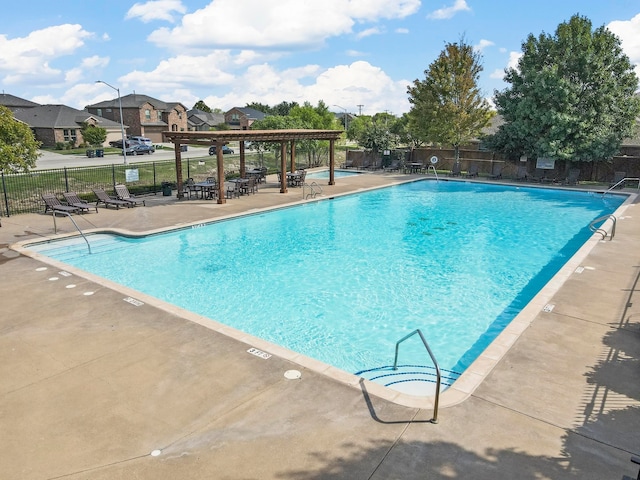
pixel 220 138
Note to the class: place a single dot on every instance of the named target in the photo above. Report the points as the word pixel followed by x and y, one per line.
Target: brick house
pixel 241 118
pixel 16 104
pixel 145 116
pixel 199 121
pixel 53 124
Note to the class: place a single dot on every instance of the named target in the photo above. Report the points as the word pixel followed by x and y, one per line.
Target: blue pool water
pixel 324 174
pixel 342 280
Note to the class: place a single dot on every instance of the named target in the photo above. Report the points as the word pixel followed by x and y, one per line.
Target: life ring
pixel 433 160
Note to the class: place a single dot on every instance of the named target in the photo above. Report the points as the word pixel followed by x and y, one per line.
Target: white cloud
pixel 282 24
pixel 368 32
pixel 448 12
pixel 28 59
pixel 482 45
pixel 359 83
pixel 157 10
pixel 629 33
pixel 354 53
pixel 402 30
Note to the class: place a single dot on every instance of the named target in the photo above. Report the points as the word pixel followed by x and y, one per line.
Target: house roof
pixel 136 100
pixel 15 103
pixel 59 116
pixel 199 117
pixel 251 113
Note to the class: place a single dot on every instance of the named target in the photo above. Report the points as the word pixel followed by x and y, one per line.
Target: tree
pixel 200 105
pixel 447 107
pixel 571 97
pixel 373 133
pixel 18 146
pixel 93 135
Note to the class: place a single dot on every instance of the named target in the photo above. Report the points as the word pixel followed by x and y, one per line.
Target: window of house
pixel 147 114
pixel 235 117
pixel 99 111
pixel 69 134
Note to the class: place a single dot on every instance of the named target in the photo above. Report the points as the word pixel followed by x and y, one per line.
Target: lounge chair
pixel 122 193
pixel 617 179
pixel 455 170
pixel 75 201
pixel 572 178
pixel 103 197
pixel 473 170
pixel 541 176
pixel 522 174
pixel 394 166
pixel 52 203
pixel 496 171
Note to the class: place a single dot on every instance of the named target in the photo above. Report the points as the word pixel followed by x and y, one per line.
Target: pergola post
pixel 332 161
pixel 220 159
pixel 283 167
pixel 293 156
pixel 243 169
pixel 176 147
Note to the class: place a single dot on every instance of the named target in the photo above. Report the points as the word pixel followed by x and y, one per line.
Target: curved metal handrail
pixel 601 230
pixel 55 226
pixel 314 189
pixel 621 182
pixel 435 364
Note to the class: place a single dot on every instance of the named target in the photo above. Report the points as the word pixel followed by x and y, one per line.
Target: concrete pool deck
pixel 91 384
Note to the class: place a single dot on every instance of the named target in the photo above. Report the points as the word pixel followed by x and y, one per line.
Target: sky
pixel 357 56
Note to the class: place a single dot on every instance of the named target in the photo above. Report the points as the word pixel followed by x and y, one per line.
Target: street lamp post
pixel 346 118
pixel 124 143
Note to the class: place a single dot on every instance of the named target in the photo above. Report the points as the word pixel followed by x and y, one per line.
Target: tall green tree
pixel 572 96
pixel 203 107
pixel 18 146
pixel 93 135
pixel 373 133
pixel 447 106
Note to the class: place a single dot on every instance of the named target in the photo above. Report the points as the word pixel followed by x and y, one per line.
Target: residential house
pixel 241 118
pixel 14 103
pixel 200 121
pixel 145 116
pixel 53 124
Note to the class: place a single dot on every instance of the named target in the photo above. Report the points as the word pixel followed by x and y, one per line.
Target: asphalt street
pixel 49 159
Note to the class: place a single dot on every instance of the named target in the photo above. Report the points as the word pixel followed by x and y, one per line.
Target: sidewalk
pixel 91 385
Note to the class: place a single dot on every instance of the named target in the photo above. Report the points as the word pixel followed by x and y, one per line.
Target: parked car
pixel 141 141
pixel 118 143
pixel 140 149
pixel 225 149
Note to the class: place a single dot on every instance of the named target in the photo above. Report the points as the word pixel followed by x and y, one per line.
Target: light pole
pixel 124 143
pixel 346 118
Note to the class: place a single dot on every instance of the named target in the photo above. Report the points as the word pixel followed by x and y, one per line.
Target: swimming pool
pixel 324 174
pixel 341 281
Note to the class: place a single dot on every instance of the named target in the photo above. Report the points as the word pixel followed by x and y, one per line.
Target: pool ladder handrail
pixel 55 226
pixel 314 189
pixel 433 167
pixel 601 230
pixel 435 364
pixel 622 182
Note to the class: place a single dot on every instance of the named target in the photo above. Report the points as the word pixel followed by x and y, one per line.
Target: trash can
pixel 99 152
pixel 91 153
pixel 183 148
pixel 166 189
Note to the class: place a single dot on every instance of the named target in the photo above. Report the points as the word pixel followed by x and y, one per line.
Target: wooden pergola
pixel 220 138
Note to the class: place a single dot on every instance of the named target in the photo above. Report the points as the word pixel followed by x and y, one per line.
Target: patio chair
pixel 617 179
pixel 75 201
pixel 635 460
pixel 455 170
pixel 541 176
pixel 473 170
pixel 572 178
pixel 521 174
pixel 233 189
pixel 52 203
pixel 496 171
pixel 122 193
pixel 103 197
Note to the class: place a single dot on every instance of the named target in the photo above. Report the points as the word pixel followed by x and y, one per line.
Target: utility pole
pixel 359 109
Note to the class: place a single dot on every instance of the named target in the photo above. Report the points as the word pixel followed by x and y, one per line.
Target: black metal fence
pixel 21 193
